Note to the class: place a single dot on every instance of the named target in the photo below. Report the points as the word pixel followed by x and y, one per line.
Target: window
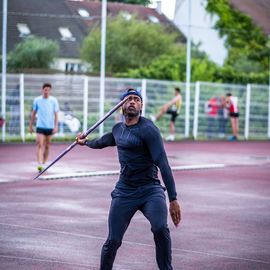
pixel 66 34
pixel 127 16
pixel 23 29
pixel 83 12
pixel 74 67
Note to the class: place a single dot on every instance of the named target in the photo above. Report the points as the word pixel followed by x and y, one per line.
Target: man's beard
pixel 131 113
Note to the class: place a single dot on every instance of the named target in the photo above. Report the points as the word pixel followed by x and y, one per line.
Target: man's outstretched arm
pixel 104 141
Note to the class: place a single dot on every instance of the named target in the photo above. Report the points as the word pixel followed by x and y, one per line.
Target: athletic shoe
pixel 153 118
pixel 39 168
pixel 170 138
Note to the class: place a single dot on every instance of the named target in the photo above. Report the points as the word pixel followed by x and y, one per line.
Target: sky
pixel 167 7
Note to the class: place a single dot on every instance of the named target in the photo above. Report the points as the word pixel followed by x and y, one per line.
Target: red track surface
pixel 62 224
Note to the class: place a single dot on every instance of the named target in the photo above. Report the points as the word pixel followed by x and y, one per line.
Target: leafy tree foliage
pixel 33 52
pixel 143 50
pixel 173 67
pixel 137 2
pixel 129 44
pixel 248 54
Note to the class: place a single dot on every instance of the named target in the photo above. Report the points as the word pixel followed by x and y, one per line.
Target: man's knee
pixel 47 146
pixel 48 141
pixel 40 140
pixel 39 143
pixel 163 248
pixel 161 233
pixel 164 109
pixel 112 244
pixel 108 254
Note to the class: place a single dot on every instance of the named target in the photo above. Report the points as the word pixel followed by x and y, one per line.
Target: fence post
pixel 85 102
pixel 269 108
pixel 247 111
pixel 4 66
pixel 101 104
pixel 102 64
pixel 196 110
pixel 187 107
pixel 22 116
pixel 144 83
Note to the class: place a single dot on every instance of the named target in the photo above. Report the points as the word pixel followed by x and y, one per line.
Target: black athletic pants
pixel 152 203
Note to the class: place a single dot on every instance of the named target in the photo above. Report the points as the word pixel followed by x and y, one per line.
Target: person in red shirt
pixel 211 109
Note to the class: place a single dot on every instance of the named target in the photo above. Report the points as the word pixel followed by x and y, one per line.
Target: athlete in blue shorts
pixel 46 108
pixel 141 153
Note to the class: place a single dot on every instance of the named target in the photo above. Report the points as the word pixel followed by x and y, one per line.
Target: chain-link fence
pixel 80 103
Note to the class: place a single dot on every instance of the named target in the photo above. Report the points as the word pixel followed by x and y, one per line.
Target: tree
pixel 173 67
pixel 33 52
pixel 137 2
pixel 129 44
pixel 246 42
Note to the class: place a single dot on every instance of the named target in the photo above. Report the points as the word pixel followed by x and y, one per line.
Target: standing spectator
pixel 232 105
pixel 211 109
pixel 46 108
pixel 173 108
pixel 138 188
pixel 223 115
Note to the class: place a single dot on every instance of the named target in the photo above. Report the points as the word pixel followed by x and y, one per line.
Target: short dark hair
pixel 177 89
pixel 229 94
pixel 46 85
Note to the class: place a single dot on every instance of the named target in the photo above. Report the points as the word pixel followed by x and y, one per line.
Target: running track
pixel 62 224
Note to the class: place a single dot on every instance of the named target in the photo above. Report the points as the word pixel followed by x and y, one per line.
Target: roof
pixel 45 17
pixel 258 10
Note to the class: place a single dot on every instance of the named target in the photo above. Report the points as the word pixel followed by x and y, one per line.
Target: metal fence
pixel 80 103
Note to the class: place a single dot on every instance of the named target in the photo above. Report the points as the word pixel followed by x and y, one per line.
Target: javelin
pixel 84 135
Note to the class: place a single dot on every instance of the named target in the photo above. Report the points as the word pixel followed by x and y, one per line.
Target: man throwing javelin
pixel 141 153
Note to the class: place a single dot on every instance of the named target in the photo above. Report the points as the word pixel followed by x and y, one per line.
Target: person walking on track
pixel 141 153
pixel 46 108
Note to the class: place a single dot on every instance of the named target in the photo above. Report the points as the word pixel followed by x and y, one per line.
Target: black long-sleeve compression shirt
pixel 140 152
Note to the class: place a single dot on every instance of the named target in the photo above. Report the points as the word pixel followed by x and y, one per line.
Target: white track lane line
pixel 45 260
pixel 141 244
pixel 116 172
